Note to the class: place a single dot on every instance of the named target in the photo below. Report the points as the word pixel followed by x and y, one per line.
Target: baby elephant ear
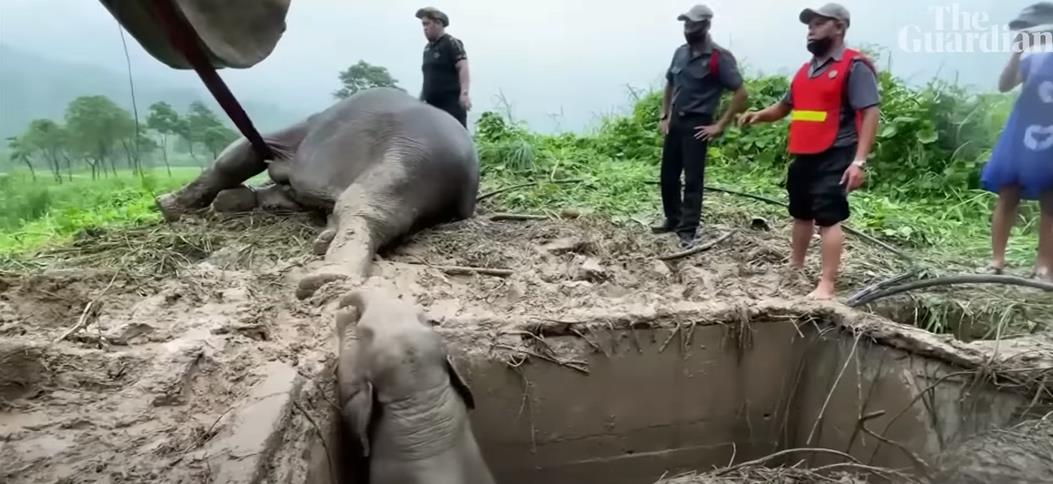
pixel 459 384
pixel 358 414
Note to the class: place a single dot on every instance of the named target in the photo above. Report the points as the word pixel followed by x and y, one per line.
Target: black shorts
pixel 815 189
pixel 452 105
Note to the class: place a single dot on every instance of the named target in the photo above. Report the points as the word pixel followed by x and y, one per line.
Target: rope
pixel 183 36
pixel 135 107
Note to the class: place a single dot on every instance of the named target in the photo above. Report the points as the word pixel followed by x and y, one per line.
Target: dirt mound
pixel 146 355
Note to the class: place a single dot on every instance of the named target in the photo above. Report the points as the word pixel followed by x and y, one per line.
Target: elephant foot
pixel 170 208
pixel 321 243
pixel 314 281
pixel 235 200
pixel 277 198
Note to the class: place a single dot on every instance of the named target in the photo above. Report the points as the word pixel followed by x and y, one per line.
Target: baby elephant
pixel 401 398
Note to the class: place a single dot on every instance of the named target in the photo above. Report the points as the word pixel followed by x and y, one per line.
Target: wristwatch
pixel 859 164
pixel 664 116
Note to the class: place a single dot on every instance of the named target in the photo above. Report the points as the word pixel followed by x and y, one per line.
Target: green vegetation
pixel 922 191
pixel 98 135
pixel 46 213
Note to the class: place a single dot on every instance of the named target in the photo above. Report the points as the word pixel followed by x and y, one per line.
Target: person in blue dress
pixel 1021 164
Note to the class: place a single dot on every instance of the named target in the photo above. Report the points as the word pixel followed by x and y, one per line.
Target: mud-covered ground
pixel 123 355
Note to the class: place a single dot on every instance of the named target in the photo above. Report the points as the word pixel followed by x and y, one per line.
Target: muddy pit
pixel 592 362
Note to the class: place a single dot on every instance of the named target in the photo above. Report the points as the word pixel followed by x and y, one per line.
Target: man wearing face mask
pixel 833 103
pixel 700 72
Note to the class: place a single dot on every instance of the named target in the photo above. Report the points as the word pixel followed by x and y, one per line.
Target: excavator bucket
pixel 232 33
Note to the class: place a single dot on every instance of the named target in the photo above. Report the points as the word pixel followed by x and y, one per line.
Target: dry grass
pixel 254 240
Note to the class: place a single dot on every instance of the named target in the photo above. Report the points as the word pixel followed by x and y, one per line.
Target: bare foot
pixel 823 292
pixel 1043 274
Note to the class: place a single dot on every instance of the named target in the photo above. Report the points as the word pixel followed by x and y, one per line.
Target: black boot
pixel 664 228
pixel 687 241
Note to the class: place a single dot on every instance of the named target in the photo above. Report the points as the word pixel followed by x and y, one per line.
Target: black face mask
pixel 819 47
pixel 696 37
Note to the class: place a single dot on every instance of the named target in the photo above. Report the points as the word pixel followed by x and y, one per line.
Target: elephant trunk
pixel 425 425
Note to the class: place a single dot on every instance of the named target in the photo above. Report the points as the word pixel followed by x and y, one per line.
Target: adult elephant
pixel 381 162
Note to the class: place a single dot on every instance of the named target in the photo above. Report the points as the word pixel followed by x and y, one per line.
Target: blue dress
pixel 1023 156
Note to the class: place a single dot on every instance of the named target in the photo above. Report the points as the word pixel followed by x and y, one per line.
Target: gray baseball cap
pixel 830 10
pixel 697 13
pixel 1037 17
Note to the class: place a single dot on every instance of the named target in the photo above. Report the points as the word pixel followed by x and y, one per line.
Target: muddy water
pixel 654 404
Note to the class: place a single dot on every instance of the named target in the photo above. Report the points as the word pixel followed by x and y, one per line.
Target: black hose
pixel 952 280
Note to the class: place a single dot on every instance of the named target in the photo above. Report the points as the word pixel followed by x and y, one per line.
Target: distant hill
pixel 33 86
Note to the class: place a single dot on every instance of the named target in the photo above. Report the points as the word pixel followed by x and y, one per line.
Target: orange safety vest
pixel 817 105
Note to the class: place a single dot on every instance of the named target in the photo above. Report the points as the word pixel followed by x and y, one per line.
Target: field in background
pixel 44 212
pixel 922 191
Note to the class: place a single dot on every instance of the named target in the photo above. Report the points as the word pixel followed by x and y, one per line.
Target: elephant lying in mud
pixel 402 401
pixel 381 163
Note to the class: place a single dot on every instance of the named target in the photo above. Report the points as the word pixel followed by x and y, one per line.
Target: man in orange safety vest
pixel 833 107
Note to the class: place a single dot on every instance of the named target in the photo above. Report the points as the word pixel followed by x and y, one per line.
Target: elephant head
pixel 396 357
pixel 233 33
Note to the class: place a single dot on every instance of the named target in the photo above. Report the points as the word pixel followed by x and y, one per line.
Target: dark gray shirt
pixel 862 93
pixel 695 90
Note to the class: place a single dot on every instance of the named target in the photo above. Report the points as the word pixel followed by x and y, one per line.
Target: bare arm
pixel 1010 77
pixel 667 97
pixel 867 132
pixel 773 113
pixel 738 105
pixel 462 75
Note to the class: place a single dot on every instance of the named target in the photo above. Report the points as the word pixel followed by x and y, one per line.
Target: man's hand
pixel 466 102
pixel 853 178
pixel 748 118
pixel 663 126
pixel 708 133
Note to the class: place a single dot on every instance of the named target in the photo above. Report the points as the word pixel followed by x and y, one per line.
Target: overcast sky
pixel 560 63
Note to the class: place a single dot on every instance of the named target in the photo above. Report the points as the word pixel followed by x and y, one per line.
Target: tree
pixel 95 125
pixel 50 141
pixel 205 127
pixel 361 76
pixel 166 122
pixel 20 154
pixel 215 138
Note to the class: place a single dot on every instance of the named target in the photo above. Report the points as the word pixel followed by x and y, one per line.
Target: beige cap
pixel 434 14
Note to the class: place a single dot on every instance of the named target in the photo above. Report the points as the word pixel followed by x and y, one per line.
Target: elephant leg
pixel 277 198
pixel 367 216
pixel 237 163
pixel 235 200
pixel 279 172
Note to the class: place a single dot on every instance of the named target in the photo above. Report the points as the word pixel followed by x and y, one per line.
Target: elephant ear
pixel 459 384
pixel 358 415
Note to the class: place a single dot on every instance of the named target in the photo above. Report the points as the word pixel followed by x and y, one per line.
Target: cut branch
pixel 497 217
pixel 697 249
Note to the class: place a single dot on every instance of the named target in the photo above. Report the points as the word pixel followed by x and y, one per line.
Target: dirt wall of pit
pixel 658 402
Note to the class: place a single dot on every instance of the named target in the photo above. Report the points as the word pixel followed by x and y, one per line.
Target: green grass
pixel 955 228
pixel 44 212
